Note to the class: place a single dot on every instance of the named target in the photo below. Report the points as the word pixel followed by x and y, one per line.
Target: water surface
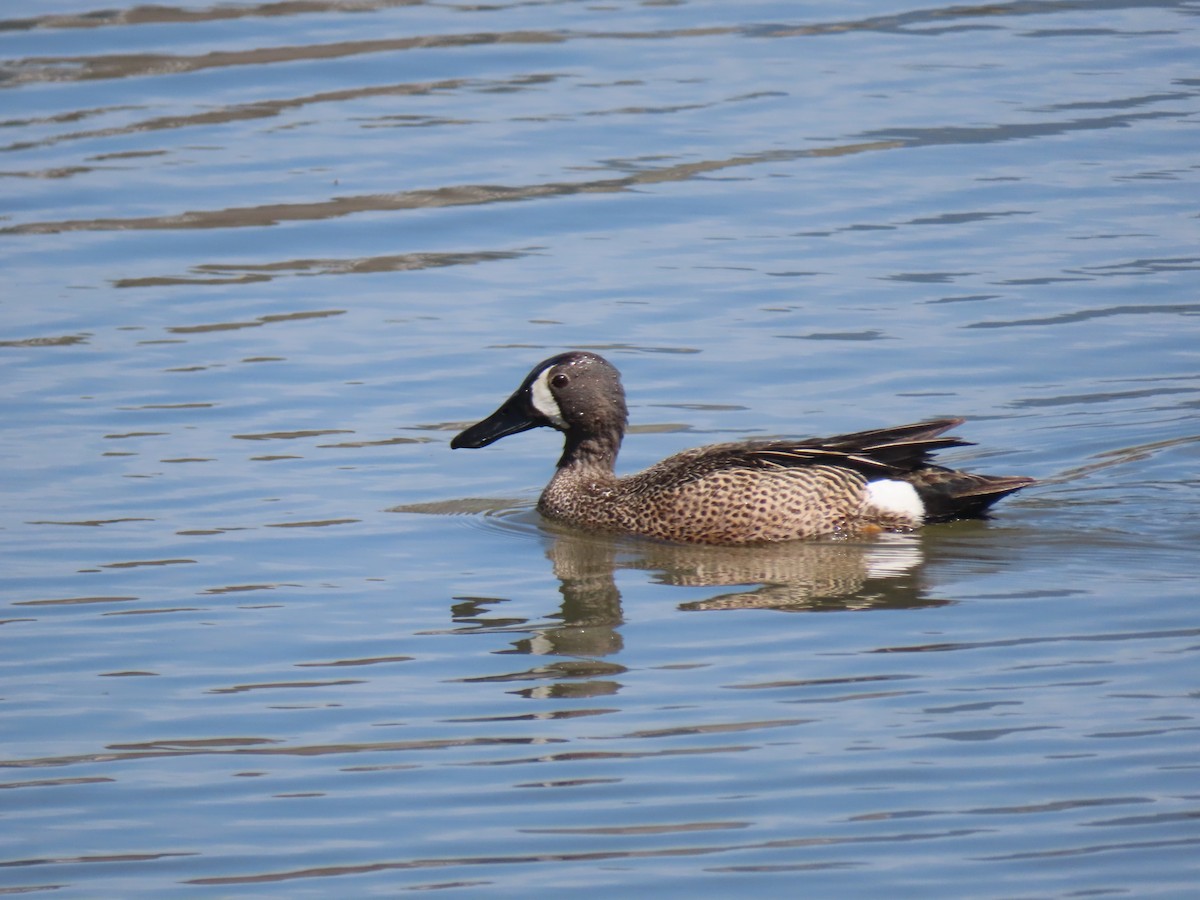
pixel 265 635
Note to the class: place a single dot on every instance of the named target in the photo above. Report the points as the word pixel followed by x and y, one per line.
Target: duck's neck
pixel 596 452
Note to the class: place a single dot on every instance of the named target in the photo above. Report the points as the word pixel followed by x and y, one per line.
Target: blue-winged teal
pixel 737 493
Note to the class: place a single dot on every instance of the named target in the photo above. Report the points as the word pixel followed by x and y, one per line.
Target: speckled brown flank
pixel 735 493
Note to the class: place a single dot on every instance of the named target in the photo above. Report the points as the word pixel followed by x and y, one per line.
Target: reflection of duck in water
pixel 736 493
pixel 880 572
pixel 812 575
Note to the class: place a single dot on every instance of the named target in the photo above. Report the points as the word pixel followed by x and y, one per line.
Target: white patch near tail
pixel 897 498
pixel 543 400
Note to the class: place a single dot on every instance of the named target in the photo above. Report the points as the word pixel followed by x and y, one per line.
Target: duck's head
pixel 578 393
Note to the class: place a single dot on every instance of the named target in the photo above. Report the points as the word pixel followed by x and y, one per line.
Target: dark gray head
pixel 578 393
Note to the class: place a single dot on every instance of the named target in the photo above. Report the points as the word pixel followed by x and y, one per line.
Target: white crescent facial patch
pixel 543 399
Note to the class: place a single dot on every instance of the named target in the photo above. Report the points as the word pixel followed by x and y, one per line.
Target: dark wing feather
pixel 883 451
pixel 897 434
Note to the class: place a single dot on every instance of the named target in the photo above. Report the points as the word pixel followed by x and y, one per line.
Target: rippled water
pixel 264 634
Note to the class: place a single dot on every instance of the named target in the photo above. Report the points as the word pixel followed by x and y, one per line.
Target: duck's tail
pixel 949 494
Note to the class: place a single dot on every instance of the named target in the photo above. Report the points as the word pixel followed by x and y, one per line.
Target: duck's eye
pixel 560 380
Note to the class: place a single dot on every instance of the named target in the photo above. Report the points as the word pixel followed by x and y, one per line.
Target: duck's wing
pixel 904 453
pixel 885 452
pixel 880 452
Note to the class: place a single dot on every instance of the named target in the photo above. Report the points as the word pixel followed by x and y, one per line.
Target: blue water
pixel 264 634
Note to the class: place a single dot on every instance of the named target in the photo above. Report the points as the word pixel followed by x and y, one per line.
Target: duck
pixel 744 492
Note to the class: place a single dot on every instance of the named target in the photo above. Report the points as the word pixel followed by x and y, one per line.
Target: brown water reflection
pixel 262 109
pixel 228 273
pixel 434 198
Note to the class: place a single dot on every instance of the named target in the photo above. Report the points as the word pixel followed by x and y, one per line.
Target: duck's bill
pixel 511 418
